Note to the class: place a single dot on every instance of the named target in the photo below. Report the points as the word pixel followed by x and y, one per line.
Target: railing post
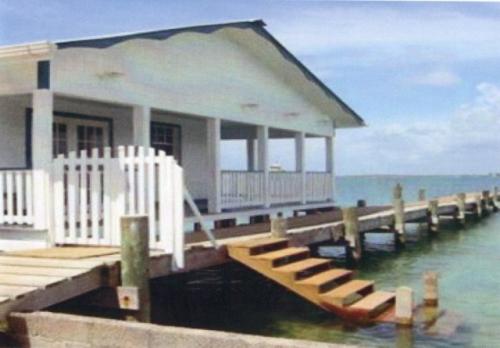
pixel 135 266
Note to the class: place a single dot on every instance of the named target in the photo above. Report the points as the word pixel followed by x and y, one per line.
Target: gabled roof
pixel 258 26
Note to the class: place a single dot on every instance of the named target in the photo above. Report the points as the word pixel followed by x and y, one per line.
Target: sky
pixel 425 76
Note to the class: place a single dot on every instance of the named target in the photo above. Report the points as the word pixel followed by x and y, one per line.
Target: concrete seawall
pixel 54 330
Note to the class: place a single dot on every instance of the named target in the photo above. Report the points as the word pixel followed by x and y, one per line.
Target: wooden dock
pixel 33 280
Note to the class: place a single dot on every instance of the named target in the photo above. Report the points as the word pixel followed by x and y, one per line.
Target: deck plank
pixel 28 280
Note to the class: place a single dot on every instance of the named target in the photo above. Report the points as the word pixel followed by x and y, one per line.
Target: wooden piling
pixel 461 205
pixel 479 206
pixel 351 232
pixel 399 213
pixel 421 195
pixel 433 215
pixel 431 294
pixel 494 199
pixel 487 205
pixel 135 265
pixel 404 306
pixel 279 226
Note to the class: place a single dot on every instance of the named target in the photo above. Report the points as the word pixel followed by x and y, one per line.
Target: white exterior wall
pixel 193 150
pixel 17 76
pixel 12 131
pixel 191 73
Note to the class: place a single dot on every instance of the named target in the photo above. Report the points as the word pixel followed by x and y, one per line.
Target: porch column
pixel 263 160
pixel 141 118
pixel 41 150
pixel 251 154
pixel 330 165
pixel 300 162
pixel 214 172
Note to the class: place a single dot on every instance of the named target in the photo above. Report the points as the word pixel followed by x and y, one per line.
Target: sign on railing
pixel 91 193
pixel 16 197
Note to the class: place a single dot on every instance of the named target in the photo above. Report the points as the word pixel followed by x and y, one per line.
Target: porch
pixel 42 125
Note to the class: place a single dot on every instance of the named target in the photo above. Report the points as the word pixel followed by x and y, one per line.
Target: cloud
pixel 465 142
pixel 361 34
pixel 437 78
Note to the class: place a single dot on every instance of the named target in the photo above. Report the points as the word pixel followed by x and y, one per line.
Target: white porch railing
pixel 16 197
pixel 319 186
pixel 240 189
pixel 285 187
pixel 91 193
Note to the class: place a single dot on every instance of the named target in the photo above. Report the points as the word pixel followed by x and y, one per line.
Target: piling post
pixel 421 195
pixel 404 306
pixel 479 206
pixel 433 215
pixel 487 205
pixel 399 213
pixel 351 232
pixel 135 266
pixel 279 226
pixel 461 207
pixel 431 294
pixel 494 199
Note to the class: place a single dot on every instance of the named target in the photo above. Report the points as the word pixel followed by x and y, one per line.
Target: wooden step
pixel 375 303
pixel 349 292
pixel 305 268
pixel 327 280
pixel 284 256
pixel 261 245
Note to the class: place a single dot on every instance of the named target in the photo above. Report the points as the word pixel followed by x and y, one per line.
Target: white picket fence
pixel 91 193
pixel 16 198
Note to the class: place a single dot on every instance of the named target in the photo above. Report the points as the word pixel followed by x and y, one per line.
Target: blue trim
pixel 43 74
pixel 257 26
pixel 28 126
pixel 105 42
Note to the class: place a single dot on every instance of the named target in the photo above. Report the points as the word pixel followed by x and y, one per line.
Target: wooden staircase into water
pixel 315 279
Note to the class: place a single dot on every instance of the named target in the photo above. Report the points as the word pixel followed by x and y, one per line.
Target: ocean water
pixel 233 298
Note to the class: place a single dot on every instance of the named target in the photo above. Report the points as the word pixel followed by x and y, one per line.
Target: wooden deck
pixel 36 280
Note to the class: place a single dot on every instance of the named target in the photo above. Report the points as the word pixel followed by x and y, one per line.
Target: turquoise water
pixel 232 298
pixel 378 189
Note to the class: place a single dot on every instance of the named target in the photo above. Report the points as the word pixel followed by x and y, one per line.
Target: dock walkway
pixel 33 280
